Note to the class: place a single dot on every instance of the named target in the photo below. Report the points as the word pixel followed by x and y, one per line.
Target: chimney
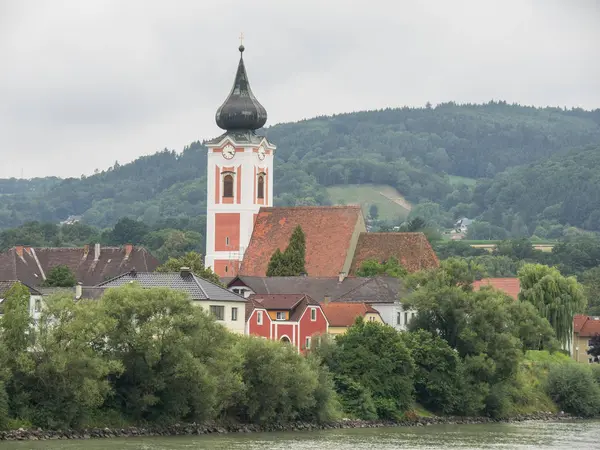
pixel 341 276
pixel 86 251
pixel 326 299
pixel 185 272
pixel 19 250
pixel 133 272
pixel 96 252
pixel 78 291
pixel 128 250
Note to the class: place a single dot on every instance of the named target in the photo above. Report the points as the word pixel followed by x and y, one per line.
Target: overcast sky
pixel 85 83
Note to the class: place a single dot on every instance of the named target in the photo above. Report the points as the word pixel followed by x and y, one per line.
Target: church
pixel 243 229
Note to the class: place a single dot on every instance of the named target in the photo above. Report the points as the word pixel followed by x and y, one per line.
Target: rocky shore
pixel 214 428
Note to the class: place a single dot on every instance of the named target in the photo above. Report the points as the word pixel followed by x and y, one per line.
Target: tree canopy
pixel 291 262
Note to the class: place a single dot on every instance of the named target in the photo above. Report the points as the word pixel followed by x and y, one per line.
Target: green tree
pixel 590 279
pixel 375 357
pixel 373 211
pixel 194 262
pixel 3 407
pixel 60 276
pixel 69 378
pixel 128 231
pixel 390 268
pixel 291 262
pixel 438 371
pixel 178 362
pixel 557 298
pixel 573 388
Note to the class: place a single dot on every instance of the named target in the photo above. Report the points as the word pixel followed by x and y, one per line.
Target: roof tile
pixel 511 286
pixel 412 250
pixel 586 326
pixel 328 231
pixel 345 314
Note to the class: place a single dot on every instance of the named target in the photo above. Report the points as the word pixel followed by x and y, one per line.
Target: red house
pixel 293 318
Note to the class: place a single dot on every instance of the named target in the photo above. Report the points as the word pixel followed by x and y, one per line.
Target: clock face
pixel 228 151
pixel 261 153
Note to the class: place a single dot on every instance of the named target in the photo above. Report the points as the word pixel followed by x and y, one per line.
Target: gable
pixel 412 250
pixel 328 232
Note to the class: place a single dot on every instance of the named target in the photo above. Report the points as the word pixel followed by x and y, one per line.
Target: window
pixel 372 319
pixel 307 343
pixel 228 185
pixel 313 314
pixel 405 318
pixel 280 315
pixel 227 240
pixel 38 305
pixel 226 269
pixel 261 186
pixel 398 318
pixel 259 317
pixel 218 312
pixel 236 291
pixel 234 312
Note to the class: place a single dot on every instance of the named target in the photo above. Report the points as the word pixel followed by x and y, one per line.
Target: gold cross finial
pixel 241 38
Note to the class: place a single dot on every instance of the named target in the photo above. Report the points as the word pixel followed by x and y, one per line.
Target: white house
pixel 35 298
pixel 227 308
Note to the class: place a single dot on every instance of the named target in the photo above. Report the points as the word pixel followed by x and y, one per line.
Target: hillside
pixel 420 152
pixel 391 205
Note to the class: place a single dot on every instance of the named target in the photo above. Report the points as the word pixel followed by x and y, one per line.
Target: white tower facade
pixel 239 178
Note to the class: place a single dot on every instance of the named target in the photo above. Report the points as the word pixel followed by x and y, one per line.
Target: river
pixel 578 435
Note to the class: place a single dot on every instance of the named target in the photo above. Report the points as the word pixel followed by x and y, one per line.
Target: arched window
pixel 228 186
pixel 261 186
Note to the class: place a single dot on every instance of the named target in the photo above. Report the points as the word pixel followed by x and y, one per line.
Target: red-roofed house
pixel 341 316
pixel 511 286
pixel 293 318
pixel 584 329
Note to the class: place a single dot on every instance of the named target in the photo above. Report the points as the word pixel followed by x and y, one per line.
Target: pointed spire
pixel 241 110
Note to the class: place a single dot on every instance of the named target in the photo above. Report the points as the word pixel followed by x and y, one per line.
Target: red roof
pixel 328 231
pixel 511 286
pixel 412 250
pixel 586 326
pixel 30 264
pixel 344 314
pixel 295 303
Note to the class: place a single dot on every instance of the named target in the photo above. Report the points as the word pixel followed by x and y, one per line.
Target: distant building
pixel 510 286
pixel 71 220
pixel 584 329
pixel 90 265
pixel 227 308
pixel 292 318
pixel 341 316
pixel 35 298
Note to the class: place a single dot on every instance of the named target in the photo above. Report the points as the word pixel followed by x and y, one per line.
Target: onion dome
pixel 241 110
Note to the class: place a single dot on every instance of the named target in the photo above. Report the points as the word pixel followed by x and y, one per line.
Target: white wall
pixel 238 326
pixel 248 160
pixel 389 313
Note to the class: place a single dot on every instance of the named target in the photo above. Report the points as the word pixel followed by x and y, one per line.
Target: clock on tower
pixel 239 177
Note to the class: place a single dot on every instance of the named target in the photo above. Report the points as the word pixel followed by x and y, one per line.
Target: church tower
pixel 239 178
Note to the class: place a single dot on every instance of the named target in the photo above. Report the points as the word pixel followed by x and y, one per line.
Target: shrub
pixel 573 389
pixel 355 398
pixel 3 407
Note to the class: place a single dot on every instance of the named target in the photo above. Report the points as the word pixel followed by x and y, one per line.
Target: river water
pixel 576 435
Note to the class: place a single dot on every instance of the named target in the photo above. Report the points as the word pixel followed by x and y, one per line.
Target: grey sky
pixel 85 83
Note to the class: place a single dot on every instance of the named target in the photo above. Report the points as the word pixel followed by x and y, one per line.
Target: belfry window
pixel 261 186
pixel 228 186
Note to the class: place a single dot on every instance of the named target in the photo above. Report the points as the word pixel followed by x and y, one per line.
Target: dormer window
pixel 281 315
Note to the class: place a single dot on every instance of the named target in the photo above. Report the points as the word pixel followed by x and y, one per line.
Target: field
pixel 391 205
pixel 456 180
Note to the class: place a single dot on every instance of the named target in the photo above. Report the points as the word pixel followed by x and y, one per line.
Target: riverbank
pixel 215 428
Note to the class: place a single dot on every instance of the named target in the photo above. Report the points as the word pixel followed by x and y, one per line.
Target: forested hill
pixel 418 151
